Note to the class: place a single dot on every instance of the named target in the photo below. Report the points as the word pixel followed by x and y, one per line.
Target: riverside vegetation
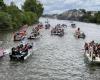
pixel 81 15
pixel 11 17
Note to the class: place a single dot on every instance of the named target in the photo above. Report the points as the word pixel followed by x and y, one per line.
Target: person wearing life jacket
pixel 26 48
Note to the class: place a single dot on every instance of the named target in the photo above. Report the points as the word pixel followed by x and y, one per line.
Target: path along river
pixel 54 58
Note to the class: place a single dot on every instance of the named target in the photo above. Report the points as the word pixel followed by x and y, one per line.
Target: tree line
pixel 11 17
pixel 91 17
pixel 81 15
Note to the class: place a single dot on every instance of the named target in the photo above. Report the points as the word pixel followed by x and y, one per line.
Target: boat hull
pixel 91 60
pixel 22 57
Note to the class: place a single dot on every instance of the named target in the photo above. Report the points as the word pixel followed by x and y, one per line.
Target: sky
pixel 59 6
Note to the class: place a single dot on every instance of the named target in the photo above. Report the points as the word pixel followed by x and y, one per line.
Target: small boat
pixel 40 26
pixel 82 35
pixel 92 58
pixel 34 35
pixel 73 25
pixel 64 25
pixel 47 26
pixel 19 36
pixel 58 31
pixel 20 55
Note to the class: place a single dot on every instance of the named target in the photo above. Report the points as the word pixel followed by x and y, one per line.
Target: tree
pixel 29 18
pixel 33 6
pixel 2 5
pixel 5 21
pixel 83 10
pixel 97 16
pixel 11 17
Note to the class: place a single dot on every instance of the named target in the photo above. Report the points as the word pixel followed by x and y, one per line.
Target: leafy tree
pixel 5 21
pixel 2 5
pixel 11 17
pixel 97 16
pixel 29 18
pixel 33 6
pixel 15 14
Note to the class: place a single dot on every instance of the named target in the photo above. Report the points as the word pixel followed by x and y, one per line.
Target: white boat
pixel 29 54
pixel 22 55
pixel 19 38
pixel 82 35
pixel 91 59
pixel 34 37
pixel 73 25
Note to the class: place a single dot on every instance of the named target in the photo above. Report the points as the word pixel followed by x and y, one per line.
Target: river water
pixel 54 58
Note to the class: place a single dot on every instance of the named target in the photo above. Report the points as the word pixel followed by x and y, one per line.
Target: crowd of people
pixel 93 49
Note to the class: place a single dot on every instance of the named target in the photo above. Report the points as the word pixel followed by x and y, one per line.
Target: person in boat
pixel 21 47
pixel 86 47
pixel 77 32
pixel 92 49
pixel 15 37
pixel 26 48
pixel 18 50
pixel 98 50
pixel 13 51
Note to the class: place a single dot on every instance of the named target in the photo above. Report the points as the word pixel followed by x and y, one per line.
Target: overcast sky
pixel 58 6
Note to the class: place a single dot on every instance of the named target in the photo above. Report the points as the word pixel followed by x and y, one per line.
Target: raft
pixel 34 37
pixel 47 26
pixel 82 35
pixel 90 58
pixel 73 25
pixel 19 38
pixel 59 34
pixel 21 56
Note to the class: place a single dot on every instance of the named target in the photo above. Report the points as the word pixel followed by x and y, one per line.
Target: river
pixel 54 58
